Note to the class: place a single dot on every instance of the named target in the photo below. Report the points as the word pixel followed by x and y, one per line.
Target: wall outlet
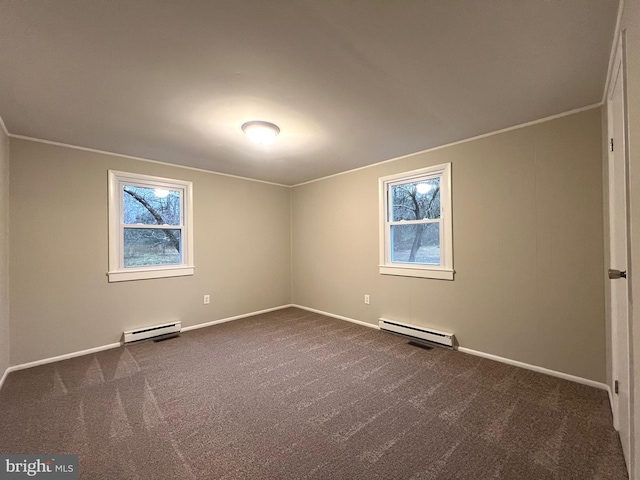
pixel 207 299
pixel 366 299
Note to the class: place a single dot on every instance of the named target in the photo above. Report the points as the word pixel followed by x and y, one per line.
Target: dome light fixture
pixel 260 132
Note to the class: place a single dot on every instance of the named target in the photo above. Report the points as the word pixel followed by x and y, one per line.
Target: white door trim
pixel 621 353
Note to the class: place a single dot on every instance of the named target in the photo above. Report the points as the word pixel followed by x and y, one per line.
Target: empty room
pixel 319 240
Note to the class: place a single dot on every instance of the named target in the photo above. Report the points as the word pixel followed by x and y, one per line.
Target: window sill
pixel 148 273
pixel 435 273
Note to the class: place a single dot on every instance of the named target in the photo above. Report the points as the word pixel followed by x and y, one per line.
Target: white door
pixel 618 254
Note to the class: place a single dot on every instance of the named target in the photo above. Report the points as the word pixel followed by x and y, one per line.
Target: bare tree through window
pixel 415 241
pixel 151 246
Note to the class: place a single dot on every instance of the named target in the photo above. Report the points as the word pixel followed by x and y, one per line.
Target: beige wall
pixel 528 247
pixel 61 301
pixel 631 26
pixel 4 252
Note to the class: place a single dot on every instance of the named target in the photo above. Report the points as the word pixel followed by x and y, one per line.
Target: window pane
pixel 416 200
pixel 416 243
pixel 151 206
pixel 152 246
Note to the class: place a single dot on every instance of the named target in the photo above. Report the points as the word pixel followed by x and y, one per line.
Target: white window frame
pixel 117 271
pixel 445 270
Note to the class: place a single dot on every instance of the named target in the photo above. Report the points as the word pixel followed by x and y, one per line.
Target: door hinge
pixel 611 144
pixel 615 386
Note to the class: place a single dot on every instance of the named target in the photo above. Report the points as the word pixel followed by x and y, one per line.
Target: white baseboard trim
pixel 553 373
pixel 508 361
pixel 535 368
pixel 116 345
pixel 66 356
pixel 613 411
pixel 4 376
pixel 339 317
pixel 237 317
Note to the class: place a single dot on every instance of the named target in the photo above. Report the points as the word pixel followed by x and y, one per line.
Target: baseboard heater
pixel 421 333
pixel 151 332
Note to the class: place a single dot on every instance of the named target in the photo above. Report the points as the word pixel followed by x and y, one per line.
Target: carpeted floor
pixel 296 395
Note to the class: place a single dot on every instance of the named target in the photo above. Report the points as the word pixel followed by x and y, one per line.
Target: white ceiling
pixel 349 83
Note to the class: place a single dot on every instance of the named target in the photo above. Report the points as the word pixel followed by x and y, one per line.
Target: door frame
pixel 619 65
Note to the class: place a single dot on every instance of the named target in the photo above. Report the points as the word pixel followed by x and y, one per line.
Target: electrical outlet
pixel 366 299
pixel 207 299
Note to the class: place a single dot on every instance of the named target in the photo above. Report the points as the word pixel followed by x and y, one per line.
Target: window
pixel 150 227
pixel 416 224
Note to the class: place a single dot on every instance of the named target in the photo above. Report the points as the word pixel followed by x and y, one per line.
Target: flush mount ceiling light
pixel 260 132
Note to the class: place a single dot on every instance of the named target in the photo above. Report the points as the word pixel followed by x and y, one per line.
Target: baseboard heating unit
pixel 421 333
pixel 152 331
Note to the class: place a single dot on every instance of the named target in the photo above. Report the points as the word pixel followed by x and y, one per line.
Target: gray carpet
pixel 296 395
